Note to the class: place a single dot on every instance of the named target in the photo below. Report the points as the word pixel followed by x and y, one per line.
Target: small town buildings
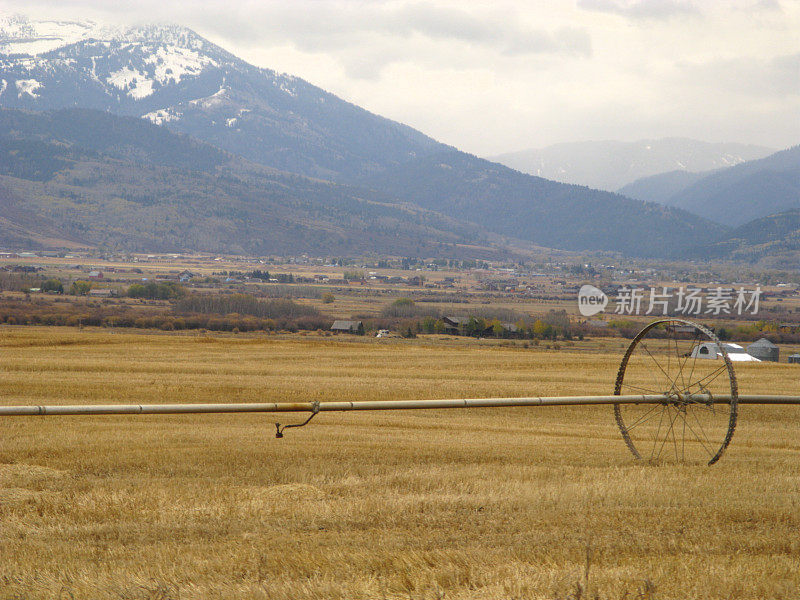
pixel 95 274
pixel 794 359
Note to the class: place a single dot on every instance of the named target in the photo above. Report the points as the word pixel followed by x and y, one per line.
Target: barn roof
pixel 762 343
pixel 342 324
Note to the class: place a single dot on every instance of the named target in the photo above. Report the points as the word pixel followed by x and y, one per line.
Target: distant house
pixel 95 274
pixel 597 323
pixel 763 349
pixel 185 276
pixel 454 325
pixel 102 293
pixel 341 326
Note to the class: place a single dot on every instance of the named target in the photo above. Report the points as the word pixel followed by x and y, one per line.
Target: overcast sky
pixel 491 77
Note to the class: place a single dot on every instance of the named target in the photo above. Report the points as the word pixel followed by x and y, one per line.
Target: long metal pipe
pixel 278 407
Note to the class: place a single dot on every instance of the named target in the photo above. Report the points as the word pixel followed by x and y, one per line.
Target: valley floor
pixel 482 503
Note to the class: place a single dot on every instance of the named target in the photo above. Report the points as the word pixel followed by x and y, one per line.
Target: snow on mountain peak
pixel 19 35
pixel 133 61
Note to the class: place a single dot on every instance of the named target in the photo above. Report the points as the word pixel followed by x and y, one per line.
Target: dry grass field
pixel 481 503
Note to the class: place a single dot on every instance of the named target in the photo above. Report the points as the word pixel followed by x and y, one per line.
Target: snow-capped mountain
pixel 18 35
pixel 173 77
pixel 610 165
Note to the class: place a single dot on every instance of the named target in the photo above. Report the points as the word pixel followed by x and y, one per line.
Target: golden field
pixel 510 503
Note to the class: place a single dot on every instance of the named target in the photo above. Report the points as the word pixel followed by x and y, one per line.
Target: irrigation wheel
pixel 667 357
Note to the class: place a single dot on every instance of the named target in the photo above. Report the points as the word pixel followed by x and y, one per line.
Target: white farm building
pixel 711 350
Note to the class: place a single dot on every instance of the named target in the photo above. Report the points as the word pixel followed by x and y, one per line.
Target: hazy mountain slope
pixel 745 192
pixel 23 228
pixel 774 238
pixel 123 193
pixel 544 212
pixel 662 187
pixel 123 138
pixel 174 77
pixel 610 165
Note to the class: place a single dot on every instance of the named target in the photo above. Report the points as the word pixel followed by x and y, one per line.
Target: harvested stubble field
pixel 480 503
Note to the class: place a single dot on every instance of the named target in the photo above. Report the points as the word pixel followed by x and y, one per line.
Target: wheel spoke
pixel 694 362
pixel 645 417
pixel 658 432
pixel 680 366
pixel 700 427
pixel 700 382
pixel 655 361
pixel 642 389
pixel 666 436
pixel 699 439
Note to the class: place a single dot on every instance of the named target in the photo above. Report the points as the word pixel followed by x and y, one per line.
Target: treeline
pixel 265 276
pixel 102 315
pixel 244 304
pixel 408 308
pixel 153 290
pixel 17 282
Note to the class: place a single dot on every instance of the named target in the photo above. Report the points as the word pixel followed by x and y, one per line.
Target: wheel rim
pixel 667 357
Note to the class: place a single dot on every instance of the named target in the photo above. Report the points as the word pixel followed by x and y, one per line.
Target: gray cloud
pixel 768 5
pixel 494 77
pixel 319 26
pixel 344 29
pixel 642 9
pixel 748 76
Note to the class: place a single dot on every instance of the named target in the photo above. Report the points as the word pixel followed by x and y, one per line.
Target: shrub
pixel 53 285
pixel 80 288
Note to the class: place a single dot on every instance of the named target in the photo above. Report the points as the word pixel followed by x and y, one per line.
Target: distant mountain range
pixel 731 196
pixel 530 208
pixel 196 149
pixel 610 165
pixel 664 187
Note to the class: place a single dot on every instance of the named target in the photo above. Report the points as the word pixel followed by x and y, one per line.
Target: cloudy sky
pixel 499 76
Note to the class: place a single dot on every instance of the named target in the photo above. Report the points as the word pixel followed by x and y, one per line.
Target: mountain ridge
pixel 732 196
pixel 610 165
pixel 286 124
pixel 550 213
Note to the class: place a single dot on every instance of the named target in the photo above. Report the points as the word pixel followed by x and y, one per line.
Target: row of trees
pixel 151 290
pixel 244 304
pixel 265 276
